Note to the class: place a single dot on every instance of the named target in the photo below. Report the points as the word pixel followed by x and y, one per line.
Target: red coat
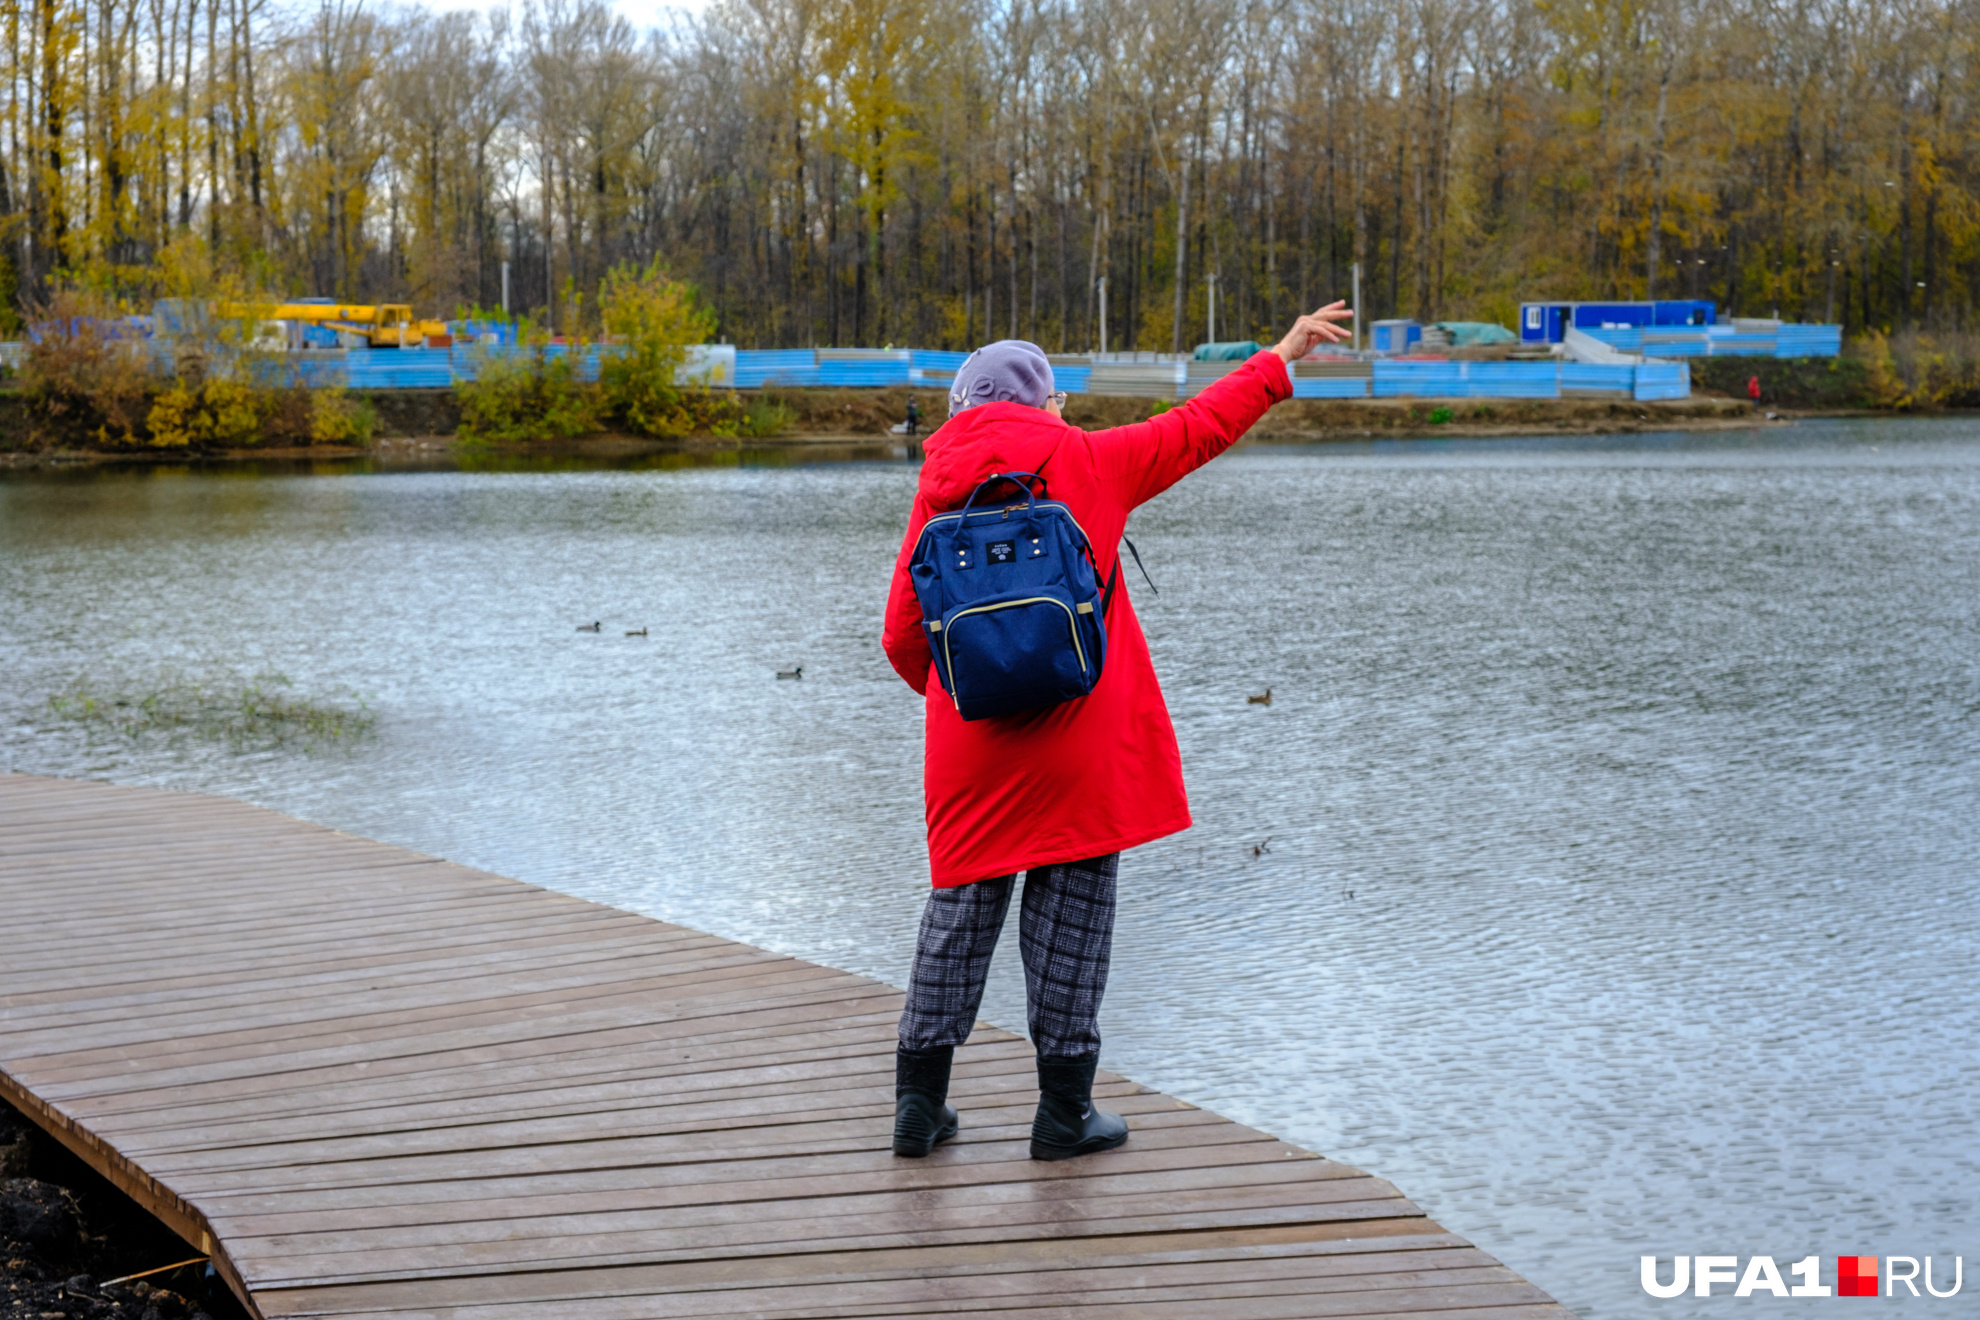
pixel 1102 773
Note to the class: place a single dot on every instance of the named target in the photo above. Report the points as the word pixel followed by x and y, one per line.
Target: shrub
pixel 230 412
pixel 1837 382
pixel 216 413
pixel 85 384
pixel 336 418
pixel 530 395
pixel 651 322
pixel 1920 369
pixel 765 417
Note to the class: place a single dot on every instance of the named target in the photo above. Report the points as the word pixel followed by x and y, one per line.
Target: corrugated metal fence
pixel 806 368
pixel 1181 379
pixel 436 368
pixel 1490 380
pixel 1741 339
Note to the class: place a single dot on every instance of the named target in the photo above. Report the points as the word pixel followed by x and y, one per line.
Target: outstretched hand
pixel 1316 328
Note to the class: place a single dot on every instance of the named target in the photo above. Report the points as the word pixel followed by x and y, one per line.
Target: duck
pixel 591 627
pixel 640 633
pixel 1262 699
pixel 798 672
pixel 1261 848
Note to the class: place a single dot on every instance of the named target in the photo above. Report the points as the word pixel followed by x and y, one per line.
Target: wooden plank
pixel 273 946
pixel 591 1251
pixel 466 1070
pixel 870 1103
pixel 549 1289
pixel 1005 1130
pixel 815 998
pixel 287 1038
pixel 819 1195
pixel 1336 1278
pixel 561 1189
pixel 207 990
pixel 822 1080
pixel 989 1280
pixel 533 1090
pixel 598 946
pixel 374 1083
pixel 465 1074
pixel 370 999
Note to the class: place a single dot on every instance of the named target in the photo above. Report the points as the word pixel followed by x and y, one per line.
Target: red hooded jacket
pixel 1102 773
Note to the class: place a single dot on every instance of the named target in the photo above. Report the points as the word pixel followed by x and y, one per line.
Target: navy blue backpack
pixel 1011 602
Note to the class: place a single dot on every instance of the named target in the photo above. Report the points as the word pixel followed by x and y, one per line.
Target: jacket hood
pixel 991 437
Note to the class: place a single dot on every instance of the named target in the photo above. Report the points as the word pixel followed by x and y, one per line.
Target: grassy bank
pixel 1913 371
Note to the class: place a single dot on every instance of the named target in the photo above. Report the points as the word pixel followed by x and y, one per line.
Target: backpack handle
pixel 1030 498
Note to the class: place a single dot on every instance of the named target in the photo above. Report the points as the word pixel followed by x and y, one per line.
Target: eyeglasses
pixel 1058 397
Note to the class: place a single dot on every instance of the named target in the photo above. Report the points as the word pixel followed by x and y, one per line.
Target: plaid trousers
pixel 1065 936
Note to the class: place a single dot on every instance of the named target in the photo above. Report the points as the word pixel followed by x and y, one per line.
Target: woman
pixel 1059 792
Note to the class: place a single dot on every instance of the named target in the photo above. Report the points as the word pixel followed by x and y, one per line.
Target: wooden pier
pixel 370 1083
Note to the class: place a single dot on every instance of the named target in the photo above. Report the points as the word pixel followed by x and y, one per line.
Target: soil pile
pixel 64 1230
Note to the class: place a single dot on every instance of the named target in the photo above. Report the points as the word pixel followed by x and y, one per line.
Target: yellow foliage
pixel 651 321
pixel 338 419
pixel 216 413
pixel 1917 370
pixel 1887 388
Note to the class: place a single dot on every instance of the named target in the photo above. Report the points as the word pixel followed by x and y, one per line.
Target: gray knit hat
pixel 1008 371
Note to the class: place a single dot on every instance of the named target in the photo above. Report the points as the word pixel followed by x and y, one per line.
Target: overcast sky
pixel 643 13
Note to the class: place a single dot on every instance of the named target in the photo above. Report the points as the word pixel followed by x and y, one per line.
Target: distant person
pixel 1056 792
pixel 1753 388
pixel 913 417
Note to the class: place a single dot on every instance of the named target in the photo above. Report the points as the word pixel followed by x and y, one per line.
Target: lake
pixel 1603 872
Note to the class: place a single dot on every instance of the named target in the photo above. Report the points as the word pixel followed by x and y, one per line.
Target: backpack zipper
pixel 948 631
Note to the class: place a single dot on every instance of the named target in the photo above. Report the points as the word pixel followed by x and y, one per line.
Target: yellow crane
pixel 384 325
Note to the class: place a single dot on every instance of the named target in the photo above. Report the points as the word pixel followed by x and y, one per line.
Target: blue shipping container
pixel 1547 323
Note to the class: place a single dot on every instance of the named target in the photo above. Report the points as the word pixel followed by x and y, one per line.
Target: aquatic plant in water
pixel 254 712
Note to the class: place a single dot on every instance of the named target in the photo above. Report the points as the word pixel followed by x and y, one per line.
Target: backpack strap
pixel 1107 600
pixel 1137 563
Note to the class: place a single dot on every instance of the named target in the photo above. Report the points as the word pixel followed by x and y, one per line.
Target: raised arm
pixel 1145 459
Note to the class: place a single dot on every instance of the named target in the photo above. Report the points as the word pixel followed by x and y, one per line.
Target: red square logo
pixel 1856 1276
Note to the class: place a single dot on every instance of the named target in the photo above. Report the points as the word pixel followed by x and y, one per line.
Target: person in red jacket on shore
pixel 1057 793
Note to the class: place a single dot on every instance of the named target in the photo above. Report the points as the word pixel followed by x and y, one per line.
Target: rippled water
pixel 1621 797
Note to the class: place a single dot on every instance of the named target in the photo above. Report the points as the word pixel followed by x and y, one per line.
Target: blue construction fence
pixel 717 365
pixel 922 368
pixel 1501 380
pixel 1147 377
pixel 1783 341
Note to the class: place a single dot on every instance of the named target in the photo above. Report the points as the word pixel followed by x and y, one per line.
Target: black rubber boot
pixel 1067 1124
pixel 922 1121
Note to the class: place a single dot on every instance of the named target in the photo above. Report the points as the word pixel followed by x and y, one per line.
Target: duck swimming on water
pixel 797 672
pixel 1263 699
pixel 591 627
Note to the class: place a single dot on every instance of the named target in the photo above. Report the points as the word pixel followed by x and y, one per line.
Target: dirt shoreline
pixel 860 425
